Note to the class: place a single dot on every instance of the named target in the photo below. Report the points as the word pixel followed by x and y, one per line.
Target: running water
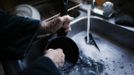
pixel 88 23
pixel 88 36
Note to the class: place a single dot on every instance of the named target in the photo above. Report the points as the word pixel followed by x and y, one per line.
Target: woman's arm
pixel 15 34
pixel 42 66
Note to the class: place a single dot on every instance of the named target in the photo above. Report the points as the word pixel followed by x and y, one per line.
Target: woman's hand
pixel 55 24
pixel 57 56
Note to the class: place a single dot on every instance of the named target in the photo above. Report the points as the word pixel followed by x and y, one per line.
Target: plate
pixel 28 11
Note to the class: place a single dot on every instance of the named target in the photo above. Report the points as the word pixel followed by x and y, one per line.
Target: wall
pixel 125 6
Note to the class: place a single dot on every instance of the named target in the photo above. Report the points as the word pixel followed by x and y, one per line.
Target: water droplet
pixel 122 67
pixel 118 62
pixel 113 61
pixel 125 73
pixel 106 73
pixel 106 58
pixel 130 65
pixel 122 56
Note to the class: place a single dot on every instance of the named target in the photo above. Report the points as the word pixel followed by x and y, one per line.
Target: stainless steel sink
pixel 115 44
pixel 114 33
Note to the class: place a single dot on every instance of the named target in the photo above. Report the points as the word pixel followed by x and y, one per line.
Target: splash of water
pixel 85 66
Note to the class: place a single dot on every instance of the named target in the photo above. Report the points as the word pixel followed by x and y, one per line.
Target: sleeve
pixel 15 35
pixel 42 66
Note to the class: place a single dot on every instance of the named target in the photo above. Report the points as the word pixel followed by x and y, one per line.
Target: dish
pixel 26 10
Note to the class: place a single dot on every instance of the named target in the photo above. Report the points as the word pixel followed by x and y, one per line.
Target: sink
pixel 116 53
pixel 114 33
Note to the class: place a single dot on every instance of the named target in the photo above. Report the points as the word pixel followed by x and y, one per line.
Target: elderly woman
pixel 16 33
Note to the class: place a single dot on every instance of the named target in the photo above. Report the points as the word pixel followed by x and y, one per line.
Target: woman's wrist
pixel 43 27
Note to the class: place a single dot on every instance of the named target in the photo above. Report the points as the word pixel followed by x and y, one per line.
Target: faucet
pixel 93 3
pixel 108 9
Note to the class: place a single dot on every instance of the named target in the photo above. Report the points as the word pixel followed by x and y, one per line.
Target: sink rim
pixel 95 17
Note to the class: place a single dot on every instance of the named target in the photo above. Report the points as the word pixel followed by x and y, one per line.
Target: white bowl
pixel 26 10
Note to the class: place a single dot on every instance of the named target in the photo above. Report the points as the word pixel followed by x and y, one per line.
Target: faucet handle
pixel 108 8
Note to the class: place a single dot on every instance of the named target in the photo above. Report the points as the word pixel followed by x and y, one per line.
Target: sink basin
pixel 115 33
pixel 115 44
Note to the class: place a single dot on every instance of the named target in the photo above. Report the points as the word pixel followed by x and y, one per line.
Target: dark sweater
pixel 42 66
pixel 15 35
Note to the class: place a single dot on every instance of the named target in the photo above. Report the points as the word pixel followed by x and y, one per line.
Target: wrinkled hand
pixel 57 56
pixel 55 24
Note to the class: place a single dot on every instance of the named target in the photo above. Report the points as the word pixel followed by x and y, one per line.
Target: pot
pixel 69 48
